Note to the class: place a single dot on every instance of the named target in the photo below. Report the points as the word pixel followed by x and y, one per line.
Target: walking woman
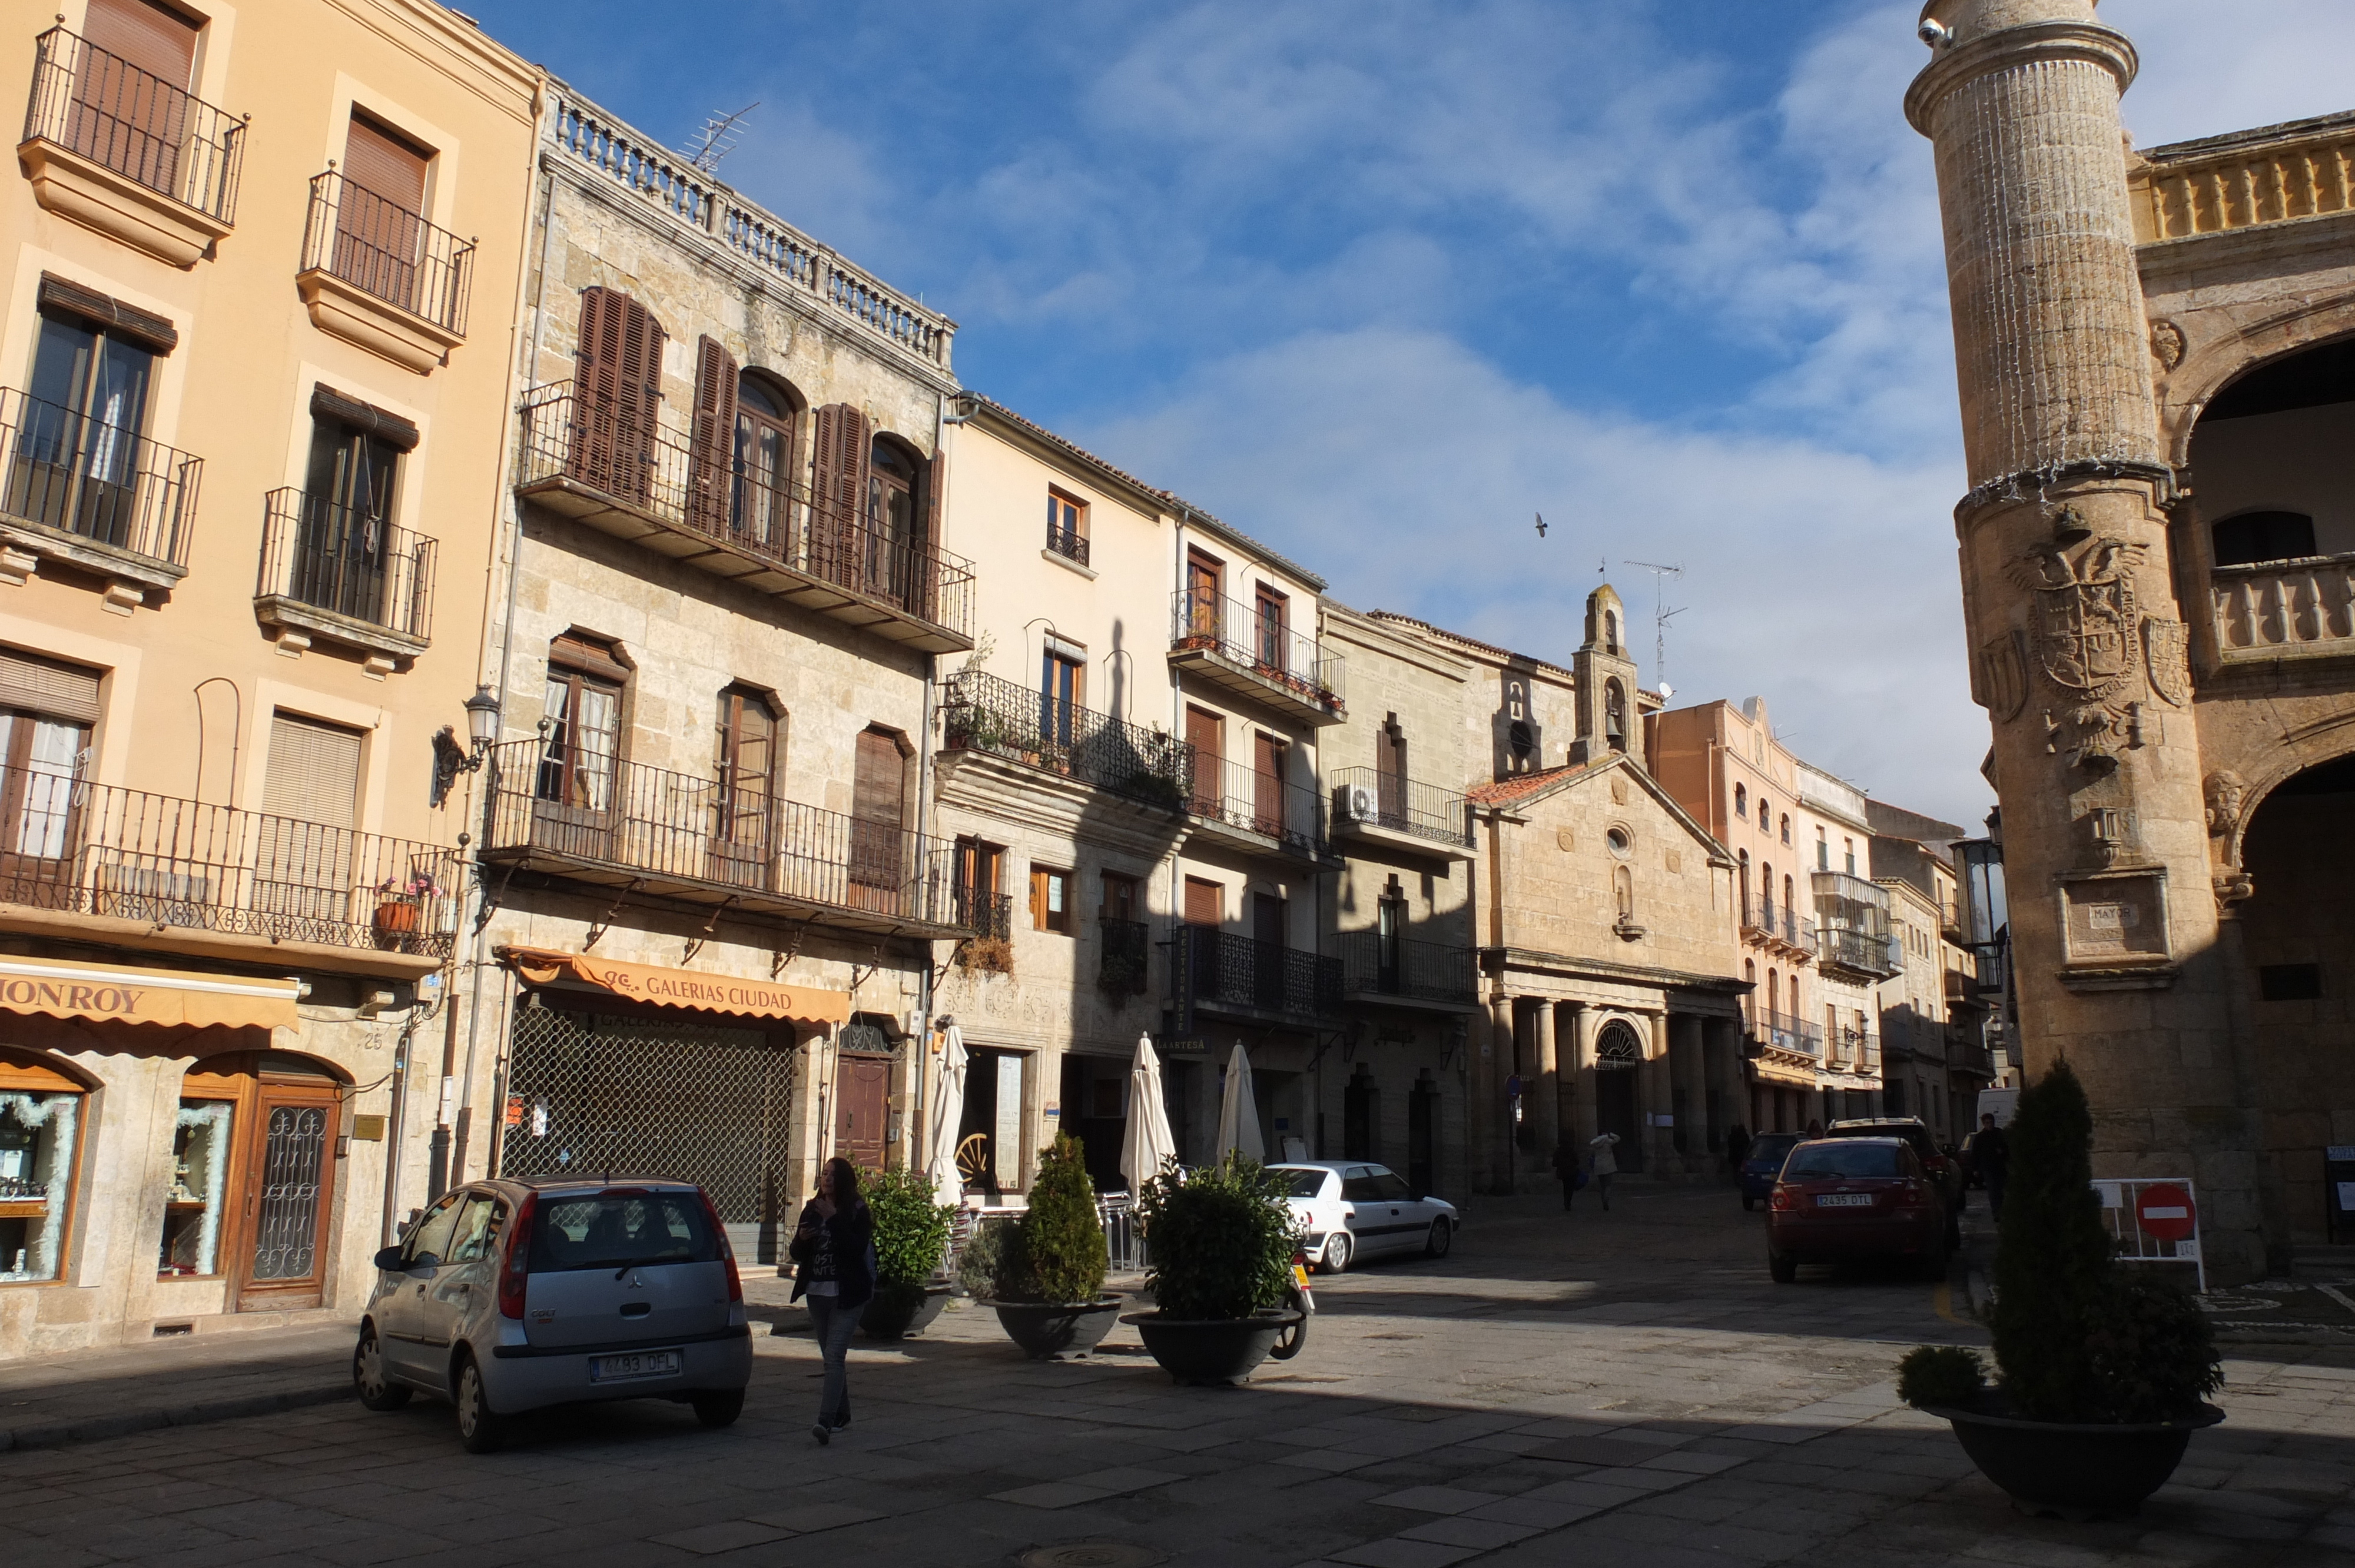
pixel 1604 1162
pixel 834 1243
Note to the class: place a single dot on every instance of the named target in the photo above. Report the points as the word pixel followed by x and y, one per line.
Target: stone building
pixel 2153 357
pixel 711 894
pixel 252 431
pixel 1943 1067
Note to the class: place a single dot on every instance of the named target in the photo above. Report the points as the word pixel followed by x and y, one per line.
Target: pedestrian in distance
pixel 1815 1129
pixel 1604 1163
pixel 1737 1146
pixel 1991 1150
pixel 834 1243
pixel 1570 1169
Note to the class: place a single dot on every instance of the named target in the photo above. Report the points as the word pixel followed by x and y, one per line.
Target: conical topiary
pixel 2052 1256
pixel 1062 1239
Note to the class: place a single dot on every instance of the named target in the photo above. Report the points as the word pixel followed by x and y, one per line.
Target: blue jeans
pixel 833 1324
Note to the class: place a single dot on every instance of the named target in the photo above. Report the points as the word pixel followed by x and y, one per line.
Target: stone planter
pixel 2073 1471
pixel 902 1311
pixel 1046 1330
pixel 1212 1350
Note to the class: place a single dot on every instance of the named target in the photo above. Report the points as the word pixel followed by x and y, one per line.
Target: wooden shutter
pixel 1267 785
pixel 160 42
pixel 1267 920
pixel 840 498
pixel 878 810
pixel 37 685
pixel 1205 902
pixel 618 387
pixel 711 442
pixel 1202 735
pixel 386 163
pixel 314 773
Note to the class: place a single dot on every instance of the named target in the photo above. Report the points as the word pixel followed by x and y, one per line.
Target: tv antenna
pixel 1661 616
pixel 717 140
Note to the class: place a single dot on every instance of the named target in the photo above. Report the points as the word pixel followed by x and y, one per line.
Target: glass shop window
pixel 40 1134
pixel 192 1208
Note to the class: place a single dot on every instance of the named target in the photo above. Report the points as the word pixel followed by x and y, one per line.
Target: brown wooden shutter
pixel 160 42
pixel 1205 902
pixel 618 388
pixel 840 494
pixel 710 459
pixel 1267 785
pixel 314 773
pixel 386 163
pixel 1202 733
pixel 878 811
pixel 923 557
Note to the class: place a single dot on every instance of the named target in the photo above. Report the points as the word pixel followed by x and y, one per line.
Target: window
pixel 193 1208
pixel 1848 849
pixel 1823 852
pixel 74 462
pixel 1206 902
pixel 313 782
pixel 1051 900
pixel 1062 688
pixel 40 1132
pixel 1611 631
pixel 976 877
pixel 47 709
pixel 1204 733
pixel 1272 608
pixel 342 547
pixel 1621 844
pixel 1390 771
pixel 2255 536
pixel 1766 888
pixel 1123 897
pixel 1268 756
pixel 583 707
pixel 743 807
pixel 1740 803
pixel 1614 715
pixel 1787 828
pixel 132 111
pixel 379 213
pixel 1125 938
pixel 761 508
pixel 1762 823
pixel 891 502
pixel 1389 914
pixel 1067 526
pixel 1204 584
pixel 879 807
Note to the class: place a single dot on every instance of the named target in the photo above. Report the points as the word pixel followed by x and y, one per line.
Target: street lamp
pixel 451 759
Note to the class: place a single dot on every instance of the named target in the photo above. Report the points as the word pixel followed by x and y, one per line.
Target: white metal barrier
pixel 2127 1207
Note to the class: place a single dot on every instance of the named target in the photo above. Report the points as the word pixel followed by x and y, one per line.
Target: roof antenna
pixel 1661 616
pixel 717 140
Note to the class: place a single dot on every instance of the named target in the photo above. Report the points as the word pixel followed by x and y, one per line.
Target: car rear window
pixel 1918 1137
pixel 1771 1147
pixel 1813 1160
pixel 610 1230
pixel 1300 1183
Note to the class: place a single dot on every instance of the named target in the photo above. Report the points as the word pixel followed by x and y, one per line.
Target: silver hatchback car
pixel 513 1295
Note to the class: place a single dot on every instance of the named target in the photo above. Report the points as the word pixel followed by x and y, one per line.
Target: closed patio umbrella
pixel 1146 1142
pixel 948 1115
pixel 1239 1112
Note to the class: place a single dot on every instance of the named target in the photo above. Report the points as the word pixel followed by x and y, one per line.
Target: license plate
pixel 1300 1276
pixel 1844 1201
pixel 637 1364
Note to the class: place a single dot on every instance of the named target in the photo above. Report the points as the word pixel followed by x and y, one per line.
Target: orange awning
pixel 104 992
pixel 681 988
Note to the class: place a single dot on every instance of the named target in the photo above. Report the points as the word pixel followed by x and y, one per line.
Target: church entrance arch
pixel 1618 1054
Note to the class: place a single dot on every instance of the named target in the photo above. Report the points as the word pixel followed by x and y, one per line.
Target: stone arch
pixel 2208 370
pixel 2237 785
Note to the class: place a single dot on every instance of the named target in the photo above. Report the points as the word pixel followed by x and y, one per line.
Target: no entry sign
pixel 2165 1213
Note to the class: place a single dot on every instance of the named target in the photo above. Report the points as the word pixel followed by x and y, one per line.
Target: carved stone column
pixel 1657 1098
pixel 1542 1096
pixel 1689 1084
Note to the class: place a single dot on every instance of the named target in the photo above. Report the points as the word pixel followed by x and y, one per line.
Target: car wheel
pixel 376 1390
pixel 1786 1271
pixel 481 1429
pixel 1337 1254
pixel 719 1408
pixel 1442 1236
pixel 1748 1203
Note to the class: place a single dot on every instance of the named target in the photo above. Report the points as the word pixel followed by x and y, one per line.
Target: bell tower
pixel 1603 681
pixel 2077 644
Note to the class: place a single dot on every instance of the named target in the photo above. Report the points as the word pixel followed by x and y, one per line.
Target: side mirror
pixel 389 1260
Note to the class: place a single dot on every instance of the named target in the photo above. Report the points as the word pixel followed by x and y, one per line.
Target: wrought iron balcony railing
pixel 1128 947
pixel 1781 923
pixel 341 559
pixel 1401 805
pixel 114 486
pixel 576 812
pixel 654 471
pixel 92 849
pixel 1262 644
pixel 1402 967
pixel 1782 1032
pixel 385 250
pixel 149 130
pixel 982 912
pixel 1211 966
pixel 1239 795
pixel 1864 951
pixel 986 712
pixel 1068 543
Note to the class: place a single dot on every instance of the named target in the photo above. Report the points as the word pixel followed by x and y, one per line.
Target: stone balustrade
pixel 2242 186
pixel 2285 608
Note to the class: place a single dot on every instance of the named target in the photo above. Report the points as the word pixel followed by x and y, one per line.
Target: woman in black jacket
pixel 834 1243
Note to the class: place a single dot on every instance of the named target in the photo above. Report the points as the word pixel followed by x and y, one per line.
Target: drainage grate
pixel 1092 1554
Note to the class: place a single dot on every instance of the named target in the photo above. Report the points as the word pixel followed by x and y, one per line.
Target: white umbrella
pixel 948 1115
pixel 1147 1142
pixel 1239 1112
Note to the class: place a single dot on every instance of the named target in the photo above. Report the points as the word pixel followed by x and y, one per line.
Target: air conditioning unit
pixel 1358 803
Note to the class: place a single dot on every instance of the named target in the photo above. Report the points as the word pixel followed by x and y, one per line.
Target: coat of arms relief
pixel 2088 636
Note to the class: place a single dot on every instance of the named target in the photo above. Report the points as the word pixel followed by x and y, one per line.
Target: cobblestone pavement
pixel 1622 1387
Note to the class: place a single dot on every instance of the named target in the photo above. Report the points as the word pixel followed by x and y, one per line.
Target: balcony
pixel 95 497
pixel 1378 808
pixel 1872 955
pixel 1259 813
pixel 92 862
pixel 1779 1036
pixel 982 913
pixel 333 572
pixel 1852 917
pixel 985 713
pixel 1854 1051
pixel 582 459
pixel 1126 947
pixel 654 834
pixel 128 153
pixel 1778 927
pixel 1402 972
pixel 2285 610
pixel 1229 645
pixel 1963 988
pixel 1968 1055
pixel 379 276
pixel 1068 543
pixel 1212 971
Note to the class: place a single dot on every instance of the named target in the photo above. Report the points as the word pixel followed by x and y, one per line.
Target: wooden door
pixel 743 808
pixel 862 1100
pixel 289 1169
pixel 1202 733
pixel 1202 606
pixel 1267 785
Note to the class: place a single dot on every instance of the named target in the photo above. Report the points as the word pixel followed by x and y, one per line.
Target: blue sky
pixel 1378 281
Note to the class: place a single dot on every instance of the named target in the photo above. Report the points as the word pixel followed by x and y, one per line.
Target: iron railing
pixel 655 471
pixel 1068 543
pixel 982 912
pixel 1863 952
pixel 1211 966
pixel 95 849
pixel 1128 947
pixel 1401 805
pixel 342 559
pixel 145 129
pixel 1400 966
pixel 987 713
pixel 383 250
pixel 1784 1033
pixel 1263 644
pixel 1241 796
pixel 1778 923
pixel 106 484
pixel 624 816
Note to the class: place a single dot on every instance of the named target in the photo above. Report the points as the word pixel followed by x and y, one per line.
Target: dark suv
pixel 1761 1163
pixel 1944 1172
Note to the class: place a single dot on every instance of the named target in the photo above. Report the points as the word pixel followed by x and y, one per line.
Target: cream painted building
pixel 254 377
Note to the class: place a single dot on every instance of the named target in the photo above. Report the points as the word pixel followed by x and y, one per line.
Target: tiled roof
pixel 1521 786
pixel 1457 637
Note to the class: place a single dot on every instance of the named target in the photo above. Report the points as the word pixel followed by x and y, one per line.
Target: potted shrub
pixel 400 909
pixel 1222 1239
pixel 912 1235
pixel 2104 1369
pixel 1044 1273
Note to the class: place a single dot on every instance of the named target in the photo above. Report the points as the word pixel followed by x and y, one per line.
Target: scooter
pixel 1300 1300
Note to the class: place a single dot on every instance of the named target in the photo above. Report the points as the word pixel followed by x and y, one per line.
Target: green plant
pixel 1940 1374
pixel 1222 1239
pixel 911 1227
pixel 2151 1352
pixel 992 1267
pixel 1062 1238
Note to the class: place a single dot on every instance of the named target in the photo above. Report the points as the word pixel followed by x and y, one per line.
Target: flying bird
pixel 1541 524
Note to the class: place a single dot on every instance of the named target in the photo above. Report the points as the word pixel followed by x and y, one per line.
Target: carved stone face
pixel 2226 793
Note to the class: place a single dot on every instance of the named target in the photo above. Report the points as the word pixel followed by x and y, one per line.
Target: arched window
pixel 748 769
pixel 1789 905
pixel 1616 1048
pixel 1743 861
pixel 2263 536
pixel 1773 991
pixel 1614 715
pixel 1741 802
pixel 766 414
pixel 1795 995
pixel 1761 814
pixel 892 493
pixel 1787 827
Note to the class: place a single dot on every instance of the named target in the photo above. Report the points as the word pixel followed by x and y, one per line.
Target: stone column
pixel 1492 1062
pixel 1542 1098
pixel 1722 1039
pixel 2069 601
pixel 1580 1076
pixel 1656 1097
pixel 1687 1077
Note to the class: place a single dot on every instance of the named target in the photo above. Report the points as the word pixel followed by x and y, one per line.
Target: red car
pixel 1852 1198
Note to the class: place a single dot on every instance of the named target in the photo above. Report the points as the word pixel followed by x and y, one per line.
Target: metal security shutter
pixel 160 42
pixel 314 773
pixel 33 684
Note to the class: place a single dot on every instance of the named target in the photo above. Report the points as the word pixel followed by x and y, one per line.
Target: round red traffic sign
pixel 2165 1213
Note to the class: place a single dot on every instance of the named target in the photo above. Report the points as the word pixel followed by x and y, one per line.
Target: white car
pixel 1354 1210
